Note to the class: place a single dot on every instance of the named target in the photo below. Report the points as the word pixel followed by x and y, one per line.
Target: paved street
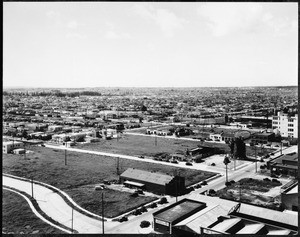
pixel 55 207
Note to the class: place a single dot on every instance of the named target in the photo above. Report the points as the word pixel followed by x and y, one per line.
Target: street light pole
pixel 32 187
pixel 66 154
pixel 102 214
pixel 72 220
pixel 226 174
pixel 255 160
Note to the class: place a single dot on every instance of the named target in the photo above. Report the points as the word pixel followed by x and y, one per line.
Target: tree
pixel 144 108
pixel 145 224
pixel 231 146
pixel 262 167
pixel 240 148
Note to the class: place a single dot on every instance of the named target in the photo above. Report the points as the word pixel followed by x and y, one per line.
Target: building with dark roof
pixel 286 165
pixel 153 182
pixel 166 218
pixel 263 138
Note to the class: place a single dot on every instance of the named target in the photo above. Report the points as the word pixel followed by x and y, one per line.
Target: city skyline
pixel 98 44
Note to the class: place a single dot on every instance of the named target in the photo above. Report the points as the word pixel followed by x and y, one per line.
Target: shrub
pixel 275 181
pixel 163 200
pixel 198 186
pixel 145 224
pixel 204 183
pixel 143 209
pixel 227 184
pixel 212 192
pixel 267 179
pixel 135 194
pixel 232 181
pixel 153 205
pixel 124 218
pixel 137 212
pixel 213 164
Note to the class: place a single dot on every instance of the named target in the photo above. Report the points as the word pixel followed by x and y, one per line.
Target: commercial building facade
pixel 286 165
pixel 286 124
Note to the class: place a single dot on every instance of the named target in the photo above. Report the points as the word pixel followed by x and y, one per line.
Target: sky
pixel 149 44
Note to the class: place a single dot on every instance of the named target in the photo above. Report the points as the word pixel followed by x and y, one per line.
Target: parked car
pixel 189 163
pixel 174 161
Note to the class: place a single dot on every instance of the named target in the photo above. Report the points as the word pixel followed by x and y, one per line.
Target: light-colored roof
pixel 203 218
pixel 146 176
pixel 278 232
pixel 251 210
pixel 251 229
pixel 293 190
pixel 134 183
pixel 226 224
pixel 12 142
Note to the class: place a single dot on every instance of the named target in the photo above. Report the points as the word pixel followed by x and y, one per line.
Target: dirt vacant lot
pixel 254 191
pixel 83 171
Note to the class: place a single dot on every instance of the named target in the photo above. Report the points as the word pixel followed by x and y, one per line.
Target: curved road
pixel 55 207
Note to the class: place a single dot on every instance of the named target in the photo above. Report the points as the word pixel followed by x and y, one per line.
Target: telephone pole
pixel 102 214
pixel 255 160
pixel 72 223
pixel 32 187
pixel 66 154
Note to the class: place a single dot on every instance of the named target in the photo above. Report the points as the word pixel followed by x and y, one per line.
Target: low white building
pixel 11 145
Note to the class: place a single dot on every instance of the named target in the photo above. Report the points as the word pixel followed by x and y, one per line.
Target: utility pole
pixel 102 214
pixel 255 160
pixel 72 220
pixel 240 193
pixel 32 186
pixel 118 162
pixel 66 154
pixel 25 150
pixel 155 140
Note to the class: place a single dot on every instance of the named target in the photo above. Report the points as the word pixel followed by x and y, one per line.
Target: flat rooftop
pixel 290 157
pixel 173 213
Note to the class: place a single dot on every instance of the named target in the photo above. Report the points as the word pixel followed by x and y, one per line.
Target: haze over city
pixel 126 44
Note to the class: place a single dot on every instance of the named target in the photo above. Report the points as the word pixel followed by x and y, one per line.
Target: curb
pixel 61 193
pixel 36 212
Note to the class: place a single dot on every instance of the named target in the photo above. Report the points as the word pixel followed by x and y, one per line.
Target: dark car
pixel 174 161
pixel 189 163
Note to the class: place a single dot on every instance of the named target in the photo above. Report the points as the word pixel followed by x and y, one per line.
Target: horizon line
pixel 50 87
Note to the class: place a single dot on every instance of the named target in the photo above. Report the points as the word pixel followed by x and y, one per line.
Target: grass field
pixel 27 223
pixel 254 191
pixel 145 145
pixel 141 145
pixel 47 165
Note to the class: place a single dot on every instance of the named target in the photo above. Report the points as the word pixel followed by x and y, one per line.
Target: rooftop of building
pixel 12 142
pixel 178 210
pixel 147 176
pixel 288 157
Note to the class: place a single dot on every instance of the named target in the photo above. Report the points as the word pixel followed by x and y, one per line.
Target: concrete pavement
pixel 53 205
